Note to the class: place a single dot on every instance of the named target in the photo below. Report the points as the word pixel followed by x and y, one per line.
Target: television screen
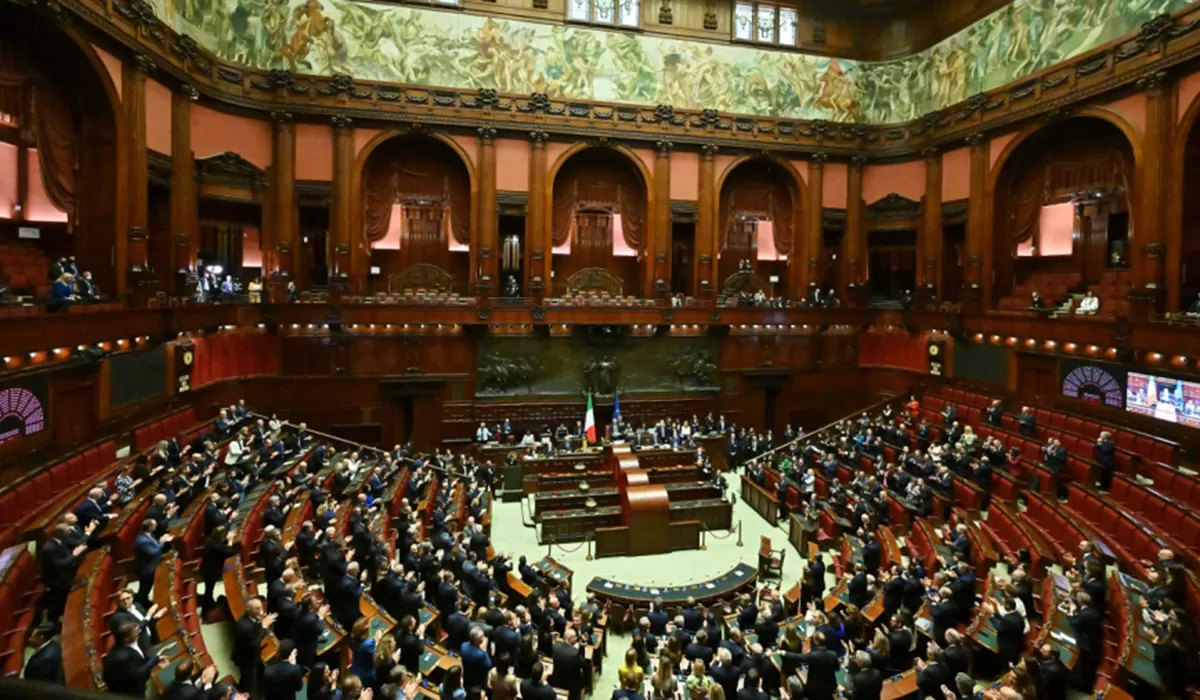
pixel 1164 398
pixel 22 408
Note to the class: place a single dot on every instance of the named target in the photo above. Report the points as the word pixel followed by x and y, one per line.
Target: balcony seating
pixel 1013 535
pixel 20 589
pixel 148 436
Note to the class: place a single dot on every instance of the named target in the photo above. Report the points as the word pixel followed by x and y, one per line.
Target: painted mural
pixel 456 50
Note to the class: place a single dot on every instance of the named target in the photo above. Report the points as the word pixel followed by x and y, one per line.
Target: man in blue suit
pixel 475 659
pixel 147 552
pixel 46 663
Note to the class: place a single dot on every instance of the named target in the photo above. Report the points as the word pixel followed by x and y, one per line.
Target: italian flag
pixel 589 422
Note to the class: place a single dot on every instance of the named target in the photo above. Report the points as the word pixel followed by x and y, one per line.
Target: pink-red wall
pixel 215 132
pixel 112 64
pixel 956 175
pixel 512 165
pixel 158 117
pixel 833 196
pixel 314 152
pixel 685 176
pixel 251 248
pixel 904 179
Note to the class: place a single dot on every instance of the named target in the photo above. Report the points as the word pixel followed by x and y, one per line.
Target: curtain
pixel 32 99
pixel 599 180
pixel 758 190
pixel 1027 197
pixel 416 169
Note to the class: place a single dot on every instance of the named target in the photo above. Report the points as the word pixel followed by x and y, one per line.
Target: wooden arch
pixel 798 257
pixel 1132 136
pixel 359 248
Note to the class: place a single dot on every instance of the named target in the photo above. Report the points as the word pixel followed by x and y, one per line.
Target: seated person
pixel 86 287
pixel 63 293
pixel 1088 305
pixel 1194 308
pixel 1037 302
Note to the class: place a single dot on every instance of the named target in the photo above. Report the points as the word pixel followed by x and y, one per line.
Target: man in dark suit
pixel 995 412
pixel 130 611
pixel 571 669
pixel 817 571
pixel 250 630
pixel 1052 674
pixel 147 552
pixel 933 674
pixel 59 564
pixel 899 645
pixel 945 613
pixel 699 649
pixel 271 555
pixel 282 678
pixel 344 596
pixel 1026 422
pixel 191 682
pixel 1010 631
pixel 958 656
pixel 1105 454
pixel 93 509
pixel 822 669
pixel 726 672
pixel 1088 628
pixel 858 589
pixel 866 682
pixel 752 687
pixel 535 687
pixel 693 616
pixel 872 553
pixel 126 667
pixel 46 662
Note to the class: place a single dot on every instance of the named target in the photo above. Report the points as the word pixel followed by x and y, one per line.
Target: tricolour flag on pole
pixel 589 422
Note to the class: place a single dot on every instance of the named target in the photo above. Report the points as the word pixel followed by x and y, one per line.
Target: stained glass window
pixel 764 23
pixel 626 13
pixel 605 11
pixel 630 12
pixel 787 26
pixel 743 21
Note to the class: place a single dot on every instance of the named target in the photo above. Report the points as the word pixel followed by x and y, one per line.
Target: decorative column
pixel 706 225
pixel 184 236
pixel 140 278
pixel 659 282
pixel 278 257
pixel 977 283
pixel 1149 249
pixel 854 243
pixel 342 277
pixel 537 230
pixel 484 268
pixel 929 243
pixel 814 229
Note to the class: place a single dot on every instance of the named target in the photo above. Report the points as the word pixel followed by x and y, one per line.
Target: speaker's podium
pixel 645 514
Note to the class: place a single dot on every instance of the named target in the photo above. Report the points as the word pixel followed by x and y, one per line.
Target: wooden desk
pixel 550 568
pixel 713 513
pixel 802 533
pixel 763 503
pixel 723 587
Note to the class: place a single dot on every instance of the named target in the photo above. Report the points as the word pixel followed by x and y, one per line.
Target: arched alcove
pixel 759 215
pixel 62 108
pixel 1062 216
pixel 600 221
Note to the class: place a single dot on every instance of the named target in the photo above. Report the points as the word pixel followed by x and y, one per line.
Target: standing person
pixel 127 667
pixel 147 553
pixel 475 660
pixel 282 679
pixel 570 667
pixel 59 564
pixel 250 631
pixel 218 547
pixel 1088 628
pixel 45 664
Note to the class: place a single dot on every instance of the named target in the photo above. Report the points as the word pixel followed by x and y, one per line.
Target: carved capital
pixel 342 122
pixel 708 150
pixel 143 63
pixel 539 138
pixel 665 15
pixel 930 153
pixel 1154 250
pixel 281 118
pixel 663 148
pixel 975 138
pixel 192 93
pixel 137 233
pixel 817 160
pixel 1154 84
pixel 858 161
pixel 487 135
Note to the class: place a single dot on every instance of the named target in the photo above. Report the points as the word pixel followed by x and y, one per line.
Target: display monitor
pixel 1164 398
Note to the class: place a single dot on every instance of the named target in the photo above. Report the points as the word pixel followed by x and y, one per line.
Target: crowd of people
pixel 70 286
pixel 951 592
